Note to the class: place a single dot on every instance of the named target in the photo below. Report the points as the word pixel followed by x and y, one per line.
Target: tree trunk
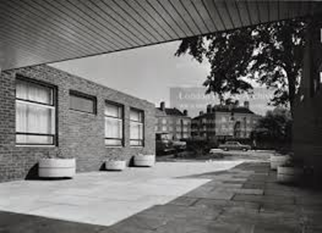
pixel 291 78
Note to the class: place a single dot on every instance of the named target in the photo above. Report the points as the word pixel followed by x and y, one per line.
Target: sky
pixel 147 72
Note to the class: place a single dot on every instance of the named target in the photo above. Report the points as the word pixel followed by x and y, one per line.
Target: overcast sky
pixel 146 72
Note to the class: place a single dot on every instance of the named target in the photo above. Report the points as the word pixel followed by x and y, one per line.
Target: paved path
pixel 243 199
pixel 105 198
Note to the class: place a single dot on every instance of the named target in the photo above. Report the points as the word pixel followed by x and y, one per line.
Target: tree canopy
pixel 269 54
pixel 275 126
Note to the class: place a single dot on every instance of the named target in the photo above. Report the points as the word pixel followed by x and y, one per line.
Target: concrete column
pixel 307 128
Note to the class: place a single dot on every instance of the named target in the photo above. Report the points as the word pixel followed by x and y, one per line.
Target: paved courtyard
pixel 245 198
pixel 105 198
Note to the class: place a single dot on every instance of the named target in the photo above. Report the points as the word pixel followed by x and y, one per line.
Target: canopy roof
pixel 45 31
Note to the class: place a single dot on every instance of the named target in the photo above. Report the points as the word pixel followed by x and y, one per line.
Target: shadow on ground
pixel 246 198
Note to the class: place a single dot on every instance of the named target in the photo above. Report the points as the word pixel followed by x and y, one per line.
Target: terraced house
pixel 44 110
pixel 221 122
pixel 173 122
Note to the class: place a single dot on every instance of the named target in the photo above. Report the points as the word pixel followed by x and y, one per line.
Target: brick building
pixel 223 121
pixel 43 110
pixel 172 121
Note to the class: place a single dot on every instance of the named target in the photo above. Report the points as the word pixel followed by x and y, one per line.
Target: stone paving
pixel 245 198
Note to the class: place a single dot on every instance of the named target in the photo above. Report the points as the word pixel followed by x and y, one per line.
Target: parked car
pixel 179 145
pixel 234 145
pixel 164 144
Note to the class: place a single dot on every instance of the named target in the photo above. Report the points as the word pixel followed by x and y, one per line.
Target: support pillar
pixel 307 128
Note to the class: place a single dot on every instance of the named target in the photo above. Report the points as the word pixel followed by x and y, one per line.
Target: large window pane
pixel 113 110
pixel 31 118
pixel 82 102
pixel 34 139
pixel 113 128
pixel 113 124
pixel 136 128
pixel 136 115
pixel 34 92
pixel 35 114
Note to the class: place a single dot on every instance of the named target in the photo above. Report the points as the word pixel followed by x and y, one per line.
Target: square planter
pixel 278 160
pixel 57 168
pixel 115 165
pixel 144 160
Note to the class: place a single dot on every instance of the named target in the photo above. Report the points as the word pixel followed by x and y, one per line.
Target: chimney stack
pixel 162 106
pixel 200 113
pixel 209 108
pixel 185 112
pixel 246 104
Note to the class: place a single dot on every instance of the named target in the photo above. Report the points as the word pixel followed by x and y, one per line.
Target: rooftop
pixel 224 108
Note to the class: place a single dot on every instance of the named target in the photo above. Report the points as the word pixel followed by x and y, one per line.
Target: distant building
pixel 224 121
pixel 172 121
pixel 194 99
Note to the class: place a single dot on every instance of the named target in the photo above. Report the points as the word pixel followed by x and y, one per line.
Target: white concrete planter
pixel 117 165
pixel 288 174
pixel 278 160
pixel 57 168
pixel 144 160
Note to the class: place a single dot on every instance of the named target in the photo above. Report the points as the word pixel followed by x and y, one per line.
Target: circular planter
pixel 57 168
pixel 288 174
pixel 144 160
pixel 278 160
pixel 117 165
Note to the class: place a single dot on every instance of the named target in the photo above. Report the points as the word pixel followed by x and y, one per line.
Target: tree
pixel 274 127
pixel 269 54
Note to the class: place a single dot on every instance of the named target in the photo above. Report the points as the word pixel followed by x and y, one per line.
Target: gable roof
pixel 169 112
pixel 220 108
pixel 223 108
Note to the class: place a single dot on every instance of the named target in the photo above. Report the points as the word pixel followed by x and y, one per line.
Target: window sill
pixel 36 146
pixel 111 147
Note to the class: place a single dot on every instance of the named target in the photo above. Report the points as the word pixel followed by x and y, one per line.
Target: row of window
pixel 171 121
pixel 170 128
pixel 36 116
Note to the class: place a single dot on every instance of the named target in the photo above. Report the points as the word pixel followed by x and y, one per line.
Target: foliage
pixel 269 54
pixel 276 126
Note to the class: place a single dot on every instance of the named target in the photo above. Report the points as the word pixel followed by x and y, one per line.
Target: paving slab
pixel 223 202
pixel 90 197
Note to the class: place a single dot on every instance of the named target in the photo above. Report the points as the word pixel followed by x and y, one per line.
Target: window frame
pixel 84 96
pixel 143 127
pixel 53 105
pixel 122 119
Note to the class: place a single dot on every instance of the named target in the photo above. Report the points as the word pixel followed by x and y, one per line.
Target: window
pixel 35 114
pixel 136 127
pixel 164 121
pixel 82 102
pixel 113 124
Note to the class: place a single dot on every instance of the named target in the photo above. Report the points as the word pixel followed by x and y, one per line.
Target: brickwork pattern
pixel 80 135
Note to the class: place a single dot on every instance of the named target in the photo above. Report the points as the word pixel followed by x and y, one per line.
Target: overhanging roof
pixel 45 31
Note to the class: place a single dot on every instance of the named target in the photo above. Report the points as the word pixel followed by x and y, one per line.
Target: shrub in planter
pixel 57 166
pixel 144 160
pixel 115 164
pixel 278 159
